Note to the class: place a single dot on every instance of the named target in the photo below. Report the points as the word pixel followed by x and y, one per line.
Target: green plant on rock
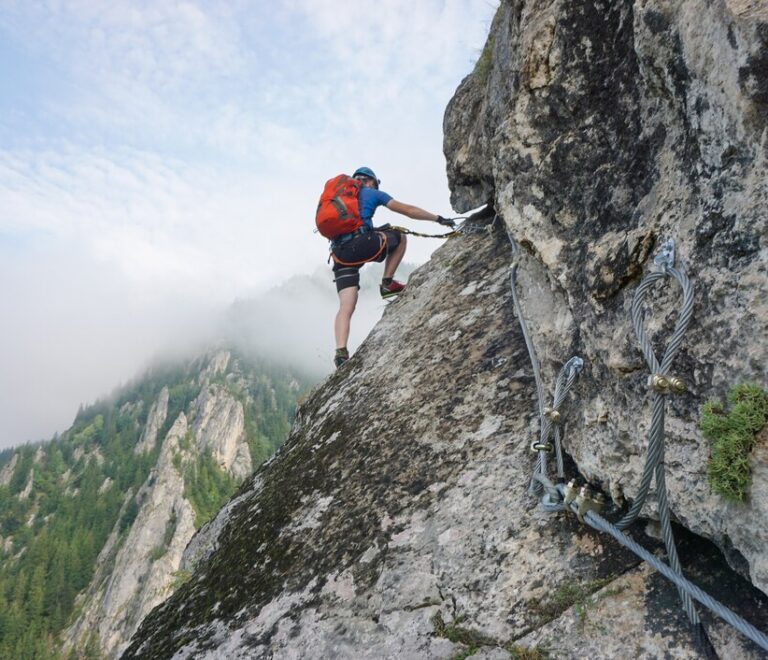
pixel 484 62
pixel 732 433
pixel 527 652
pixel 570 594
pixel 207 487
pixel 180 577
pixel 459 635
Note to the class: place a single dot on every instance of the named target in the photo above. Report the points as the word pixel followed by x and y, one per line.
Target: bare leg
pixel 395 257
pixel 347 304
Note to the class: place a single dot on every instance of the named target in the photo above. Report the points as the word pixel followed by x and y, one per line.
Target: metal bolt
pixel 676 385
pixel 553 414
pixel 658 383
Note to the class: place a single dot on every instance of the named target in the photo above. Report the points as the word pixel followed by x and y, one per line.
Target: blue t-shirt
pixel 369 199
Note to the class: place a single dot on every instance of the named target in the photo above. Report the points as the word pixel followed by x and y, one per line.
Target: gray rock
pixel 157 416
pixel 643 121
pixel 400 495
pixel 6 473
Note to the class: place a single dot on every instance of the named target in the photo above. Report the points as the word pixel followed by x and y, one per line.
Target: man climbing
pixel 368 243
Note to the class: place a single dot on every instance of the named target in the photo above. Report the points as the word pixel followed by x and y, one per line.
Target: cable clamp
pixel 570 492
pixel 541 446
pixel 585 501
pixel 666 384
pixel 553 414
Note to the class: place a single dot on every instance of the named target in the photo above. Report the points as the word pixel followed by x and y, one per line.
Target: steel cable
pixel 747 629
pixel 553 498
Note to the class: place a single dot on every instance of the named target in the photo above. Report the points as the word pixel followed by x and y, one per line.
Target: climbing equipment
pixel 410 232
pixel 588 506
pixel 338 211
pixel 464 228
pixel 374 257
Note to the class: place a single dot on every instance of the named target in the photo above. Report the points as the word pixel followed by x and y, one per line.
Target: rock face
pixel 155 421
pixel 220 427
pixel 396 522
pixel 400 502
pixel 600 129
pixel 144 565
pixel 7 471
pixel 138 571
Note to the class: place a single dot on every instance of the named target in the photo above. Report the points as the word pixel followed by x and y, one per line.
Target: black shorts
pixel 360 250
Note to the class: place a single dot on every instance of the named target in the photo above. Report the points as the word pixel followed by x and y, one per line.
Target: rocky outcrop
pixel 24 494
pixel 144 565
pixel 220 428
pixel 138 570
pixel 6 473
pixel 157 415
pixel 599 130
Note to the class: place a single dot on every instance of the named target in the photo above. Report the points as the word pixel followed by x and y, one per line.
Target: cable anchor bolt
pixel 676 385
pixel 542 446
pixel 553 414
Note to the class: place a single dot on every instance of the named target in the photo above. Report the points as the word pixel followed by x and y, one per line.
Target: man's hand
pixel 447 222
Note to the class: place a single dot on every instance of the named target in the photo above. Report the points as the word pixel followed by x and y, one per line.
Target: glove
pixel 447 222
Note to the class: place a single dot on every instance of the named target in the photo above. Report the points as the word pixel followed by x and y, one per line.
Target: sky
pixel 159 160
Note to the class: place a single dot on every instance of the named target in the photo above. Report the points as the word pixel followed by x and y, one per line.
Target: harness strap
pixel 382 247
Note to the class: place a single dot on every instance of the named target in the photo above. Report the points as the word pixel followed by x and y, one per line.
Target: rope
pixel 464 228
pixel 654 464
pixel 601 524
pixel 565 380
pixel 556 498
pixel 405 230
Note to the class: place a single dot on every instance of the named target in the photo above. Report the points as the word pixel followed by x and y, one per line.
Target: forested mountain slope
pixel 93 523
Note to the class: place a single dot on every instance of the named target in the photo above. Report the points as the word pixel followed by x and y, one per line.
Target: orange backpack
pixel 338 211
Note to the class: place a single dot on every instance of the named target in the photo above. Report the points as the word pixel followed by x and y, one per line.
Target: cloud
pixel 162 158
pixel 73 329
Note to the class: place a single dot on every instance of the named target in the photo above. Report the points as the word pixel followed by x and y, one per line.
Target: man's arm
pixel 411 211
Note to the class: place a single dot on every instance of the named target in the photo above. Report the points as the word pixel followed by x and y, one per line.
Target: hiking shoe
pixel 392 289
pixel 342 355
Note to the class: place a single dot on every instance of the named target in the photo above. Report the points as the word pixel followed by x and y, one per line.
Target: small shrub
pixel 731 433
pixel 179 577
pixel 158 552
pixel 459 635
pixel 527 652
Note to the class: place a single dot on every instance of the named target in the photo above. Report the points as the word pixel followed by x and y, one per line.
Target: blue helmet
pixel 368 172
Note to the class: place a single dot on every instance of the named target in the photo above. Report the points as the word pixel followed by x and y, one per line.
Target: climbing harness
pixel 588 506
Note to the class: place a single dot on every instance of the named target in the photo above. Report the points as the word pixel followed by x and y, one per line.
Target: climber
pixel 352 250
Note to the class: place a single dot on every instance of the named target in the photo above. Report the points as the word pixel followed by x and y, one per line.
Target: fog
pixel 74 329
pixel 293 322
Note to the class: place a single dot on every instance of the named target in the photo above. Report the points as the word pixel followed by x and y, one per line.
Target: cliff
pixel 396 521
pixel 598 129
